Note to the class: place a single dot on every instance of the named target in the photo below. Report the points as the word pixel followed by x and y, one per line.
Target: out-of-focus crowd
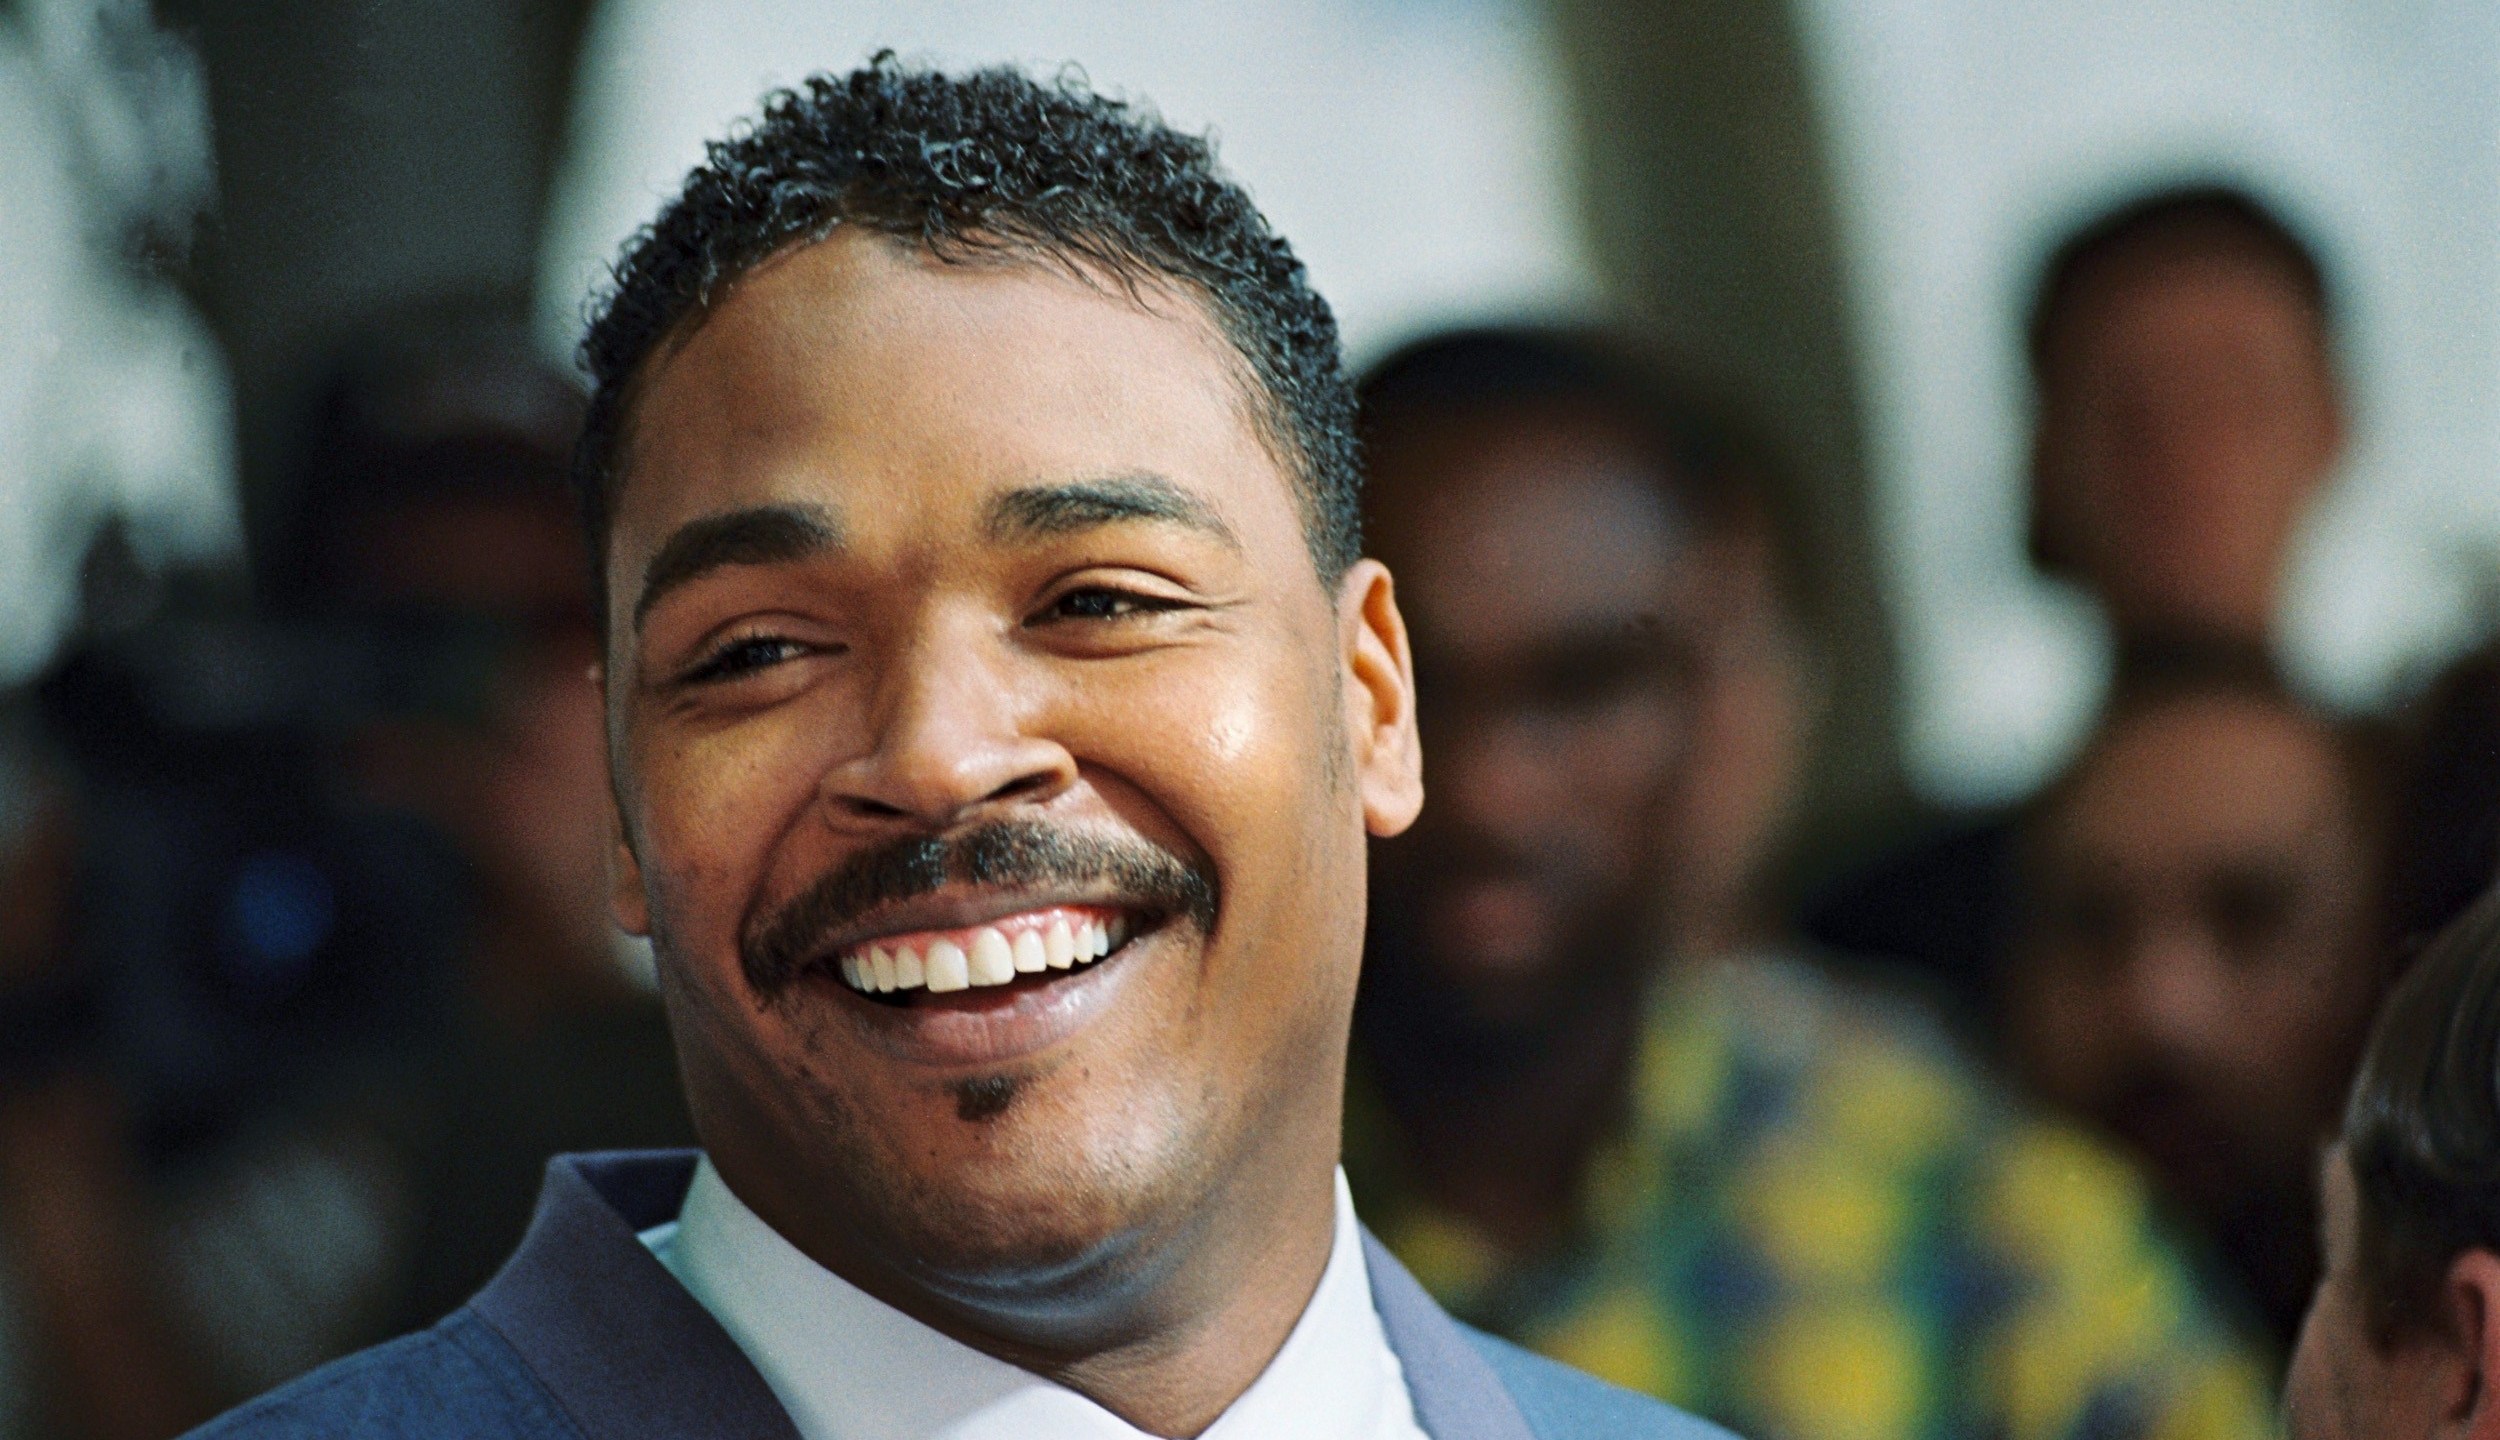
pixel 2014 1129
pixel 2009 1129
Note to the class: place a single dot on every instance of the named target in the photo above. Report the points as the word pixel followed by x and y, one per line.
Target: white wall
pixel 1970 132
pixel 113 396
pixel 1413 151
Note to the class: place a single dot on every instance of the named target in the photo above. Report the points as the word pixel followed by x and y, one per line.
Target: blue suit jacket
pixel 583 1336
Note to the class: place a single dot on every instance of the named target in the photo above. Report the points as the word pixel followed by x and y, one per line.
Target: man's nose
pixel 950 738
pixel 2177 991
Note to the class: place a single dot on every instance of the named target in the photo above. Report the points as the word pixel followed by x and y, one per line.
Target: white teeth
pixel 991 961
pixel 1029 955
pixel 947 968
pixel 992 958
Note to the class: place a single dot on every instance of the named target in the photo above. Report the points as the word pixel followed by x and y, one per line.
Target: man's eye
pixel 1099 603
pixel 742 656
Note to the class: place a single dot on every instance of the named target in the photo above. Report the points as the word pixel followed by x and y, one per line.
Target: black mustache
pixel 1005 854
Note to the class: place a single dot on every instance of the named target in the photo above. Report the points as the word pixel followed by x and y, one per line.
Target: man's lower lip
pixel 991 1025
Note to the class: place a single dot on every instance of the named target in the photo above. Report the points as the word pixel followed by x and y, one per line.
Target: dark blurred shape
pixel 244 926
pixel 439 500
pixel 1940 905
pixel 2446 818
pixel 2198 948
pixel 438 419
pixel 1601 1103
pixel 333 973
pixel 2188 414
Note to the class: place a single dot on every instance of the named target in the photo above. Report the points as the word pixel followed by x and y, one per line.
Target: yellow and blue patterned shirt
pixel 1820 1223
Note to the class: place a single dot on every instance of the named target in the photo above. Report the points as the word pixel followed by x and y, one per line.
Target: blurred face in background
pixel 2196 965
pixel 522 787
pixel 2188 414
pixel 1540 568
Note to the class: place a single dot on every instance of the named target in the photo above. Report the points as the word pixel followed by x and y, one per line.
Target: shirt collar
pixel 850 1367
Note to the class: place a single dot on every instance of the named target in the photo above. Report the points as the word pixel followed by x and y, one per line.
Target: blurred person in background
pixel 2402 1340
pixel 2200 946
pixel 294 1064
pixel 441 507
pixel 1717 1175
pixel 2188 412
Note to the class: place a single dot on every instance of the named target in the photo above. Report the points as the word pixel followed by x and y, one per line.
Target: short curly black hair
pixel 993 163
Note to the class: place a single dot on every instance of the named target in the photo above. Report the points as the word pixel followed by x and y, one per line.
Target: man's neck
pixel 1214 1330
pixel 1167 1336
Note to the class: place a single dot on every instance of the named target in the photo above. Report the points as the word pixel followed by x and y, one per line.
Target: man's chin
pixel 1040 1207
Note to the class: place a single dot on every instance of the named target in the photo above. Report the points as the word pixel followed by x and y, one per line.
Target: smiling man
pixel 998 708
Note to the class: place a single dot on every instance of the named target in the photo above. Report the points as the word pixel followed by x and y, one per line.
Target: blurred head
pixel 438 517
pixel 2197 950
pixel 1535 495
pixel 997 713
pixel 438 479
pixel 2188 410
pixel 2403 1337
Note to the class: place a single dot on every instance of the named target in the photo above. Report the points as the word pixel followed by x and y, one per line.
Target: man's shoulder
pixel 457 1379
pixel 1560 1403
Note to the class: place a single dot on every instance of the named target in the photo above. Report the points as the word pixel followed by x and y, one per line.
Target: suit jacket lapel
pixel 625 1350
pixel 1457 1395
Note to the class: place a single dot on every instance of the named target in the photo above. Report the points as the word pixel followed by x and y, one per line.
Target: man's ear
pixel 628 904
pixel 2473 1296
pixel 1380 699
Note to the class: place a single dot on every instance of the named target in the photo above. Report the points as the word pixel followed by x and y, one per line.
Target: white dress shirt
pixel 850 1367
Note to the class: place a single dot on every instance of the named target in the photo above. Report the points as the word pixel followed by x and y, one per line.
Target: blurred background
pixel 303 959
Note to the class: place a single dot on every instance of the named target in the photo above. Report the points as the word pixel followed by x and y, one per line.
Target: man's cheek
pixel 1204 748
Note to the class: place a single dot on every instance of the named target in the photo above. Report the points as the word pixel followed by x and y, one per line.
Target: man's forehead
pixel 852 374
pixel 2162 294
pixel 1522 529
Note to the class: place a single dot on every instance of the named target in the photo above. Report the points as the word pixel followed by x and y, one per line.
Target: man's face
pixel 2195 966
pixel 2187 414
pixel 960 610
pixel 2346 1383
pixel 1540 569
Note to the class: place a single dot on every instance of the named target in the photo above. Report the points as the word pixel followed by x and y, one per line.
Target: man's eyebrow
pixel 1070 506
pixel 763 535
